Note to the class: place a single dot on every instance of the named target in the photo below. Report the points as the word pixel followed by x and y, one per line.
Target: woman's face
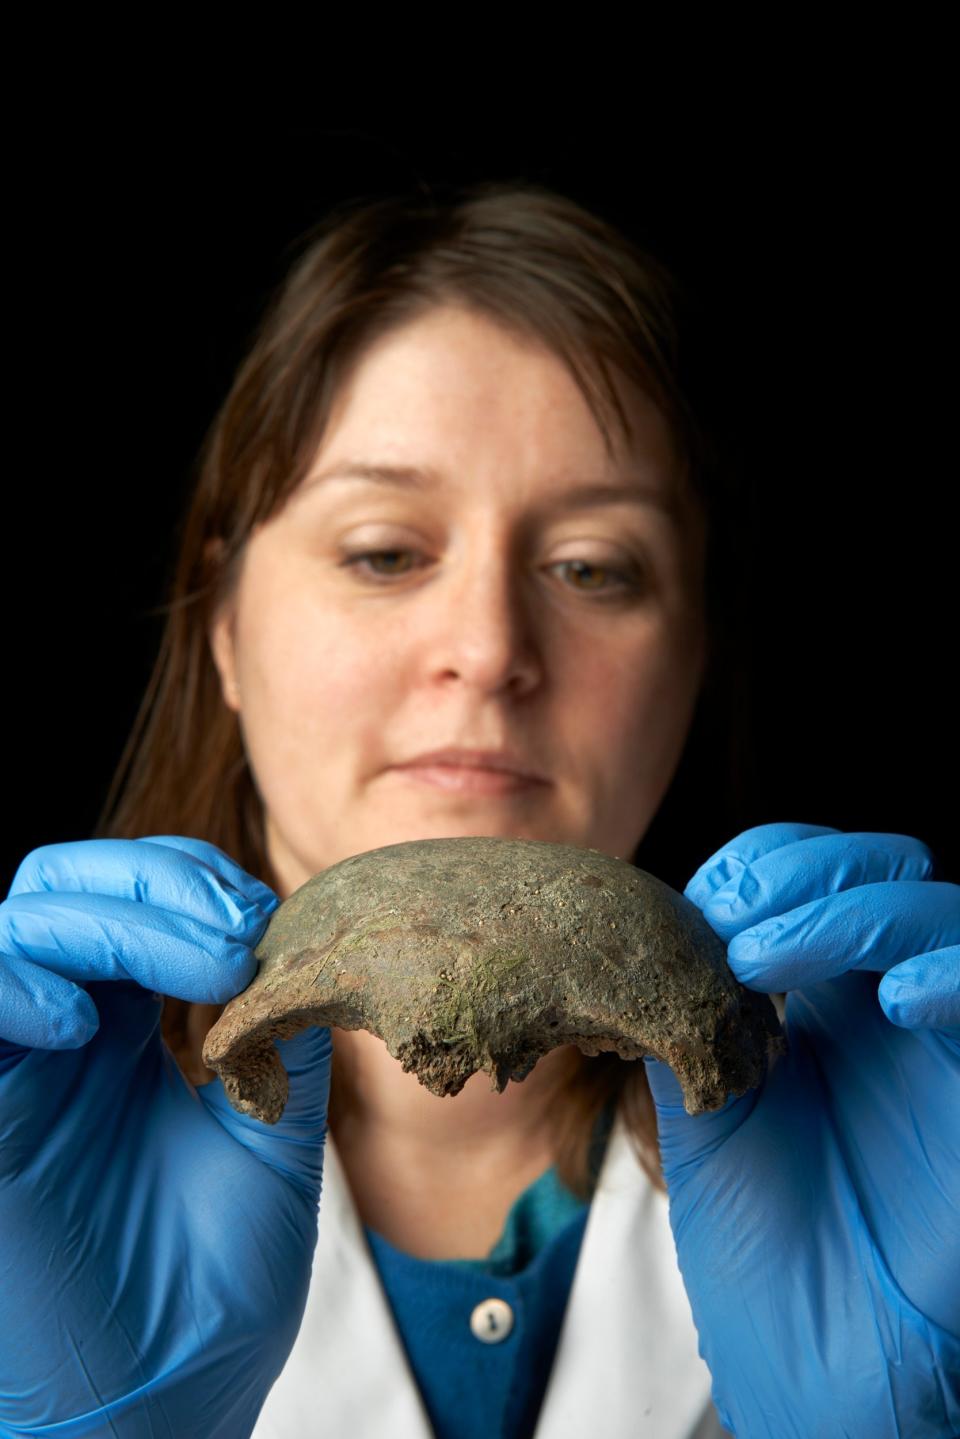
pixel 509 612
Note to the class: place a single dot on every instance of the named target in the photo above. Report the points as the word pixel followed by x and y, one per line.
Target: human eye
pixel 629 579
pixel 357 560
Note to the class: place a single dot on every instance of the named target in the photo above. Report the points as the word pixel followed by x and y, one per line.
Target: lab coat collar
pixel 627 1361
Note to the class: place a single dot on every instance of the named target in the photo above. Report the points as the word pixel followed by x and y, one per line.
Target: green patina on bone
pixel 483 953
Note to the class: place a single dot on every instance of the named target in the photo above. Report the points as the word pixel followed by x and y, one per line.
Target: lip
pixel 467 779
pixel 483 761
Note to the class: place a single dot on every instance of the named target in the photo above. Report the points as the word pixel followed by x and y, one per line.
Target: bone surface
pixel 484 953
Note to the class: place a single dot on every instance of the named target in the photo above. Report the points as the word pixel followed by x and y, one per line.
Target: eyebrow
pixel 423 477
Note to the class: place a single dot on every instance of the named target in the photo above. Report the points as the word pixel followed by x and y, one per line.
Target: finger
pixel 924 992
pixel 294 1145
pixel 40 1010
pixel 685 1138
pixel 188 877
pixel 86 937
pixel 808 869
pixel 728 862
pixel 873 927
pixel 240 880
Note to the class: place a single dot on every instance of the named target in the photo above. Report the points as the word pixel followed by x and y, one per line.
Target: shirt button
pixel 492 1321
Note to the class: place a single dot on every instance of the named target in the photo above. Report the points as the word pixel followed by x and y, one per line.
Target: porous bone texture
pixel 484 953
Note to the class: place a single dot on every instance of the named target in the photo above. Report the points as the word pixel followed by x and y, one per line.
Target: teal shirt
pixel 477 1390
pixel 540 1213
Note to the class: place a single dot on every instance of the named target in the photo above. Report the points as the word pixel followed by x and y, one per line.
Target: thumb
pixel 688 1139
pixel 294 1145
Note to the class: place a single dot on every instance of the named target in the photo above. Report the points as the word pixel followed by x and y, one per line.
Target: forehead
pixel 462 379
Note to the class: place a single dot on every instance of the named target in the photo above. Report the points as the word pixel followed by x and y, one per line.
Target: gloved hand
pixel 817 1217
pixel 155 1245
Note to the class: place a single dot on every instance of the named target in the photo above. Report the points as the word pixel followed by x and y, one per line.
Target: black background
pixel 815 244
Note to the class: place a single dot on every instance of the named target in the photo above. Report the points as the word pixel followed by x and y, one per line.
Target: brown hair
pixel 537 262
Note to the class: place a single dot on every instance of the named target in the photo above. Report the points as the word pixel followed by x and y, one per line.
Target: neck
pixel 388 1108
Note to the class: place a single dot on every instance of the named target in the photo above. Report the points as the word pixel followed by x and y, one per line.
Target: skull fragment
pixel 484 953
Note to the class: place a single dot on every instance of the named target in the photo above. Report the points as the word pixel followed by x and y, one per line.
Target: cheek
pixel 302 671
pixel 640 697
pixel 635 668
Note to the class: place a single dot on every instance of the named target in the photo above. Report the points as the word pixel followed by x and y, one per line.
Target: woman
pixel 447 572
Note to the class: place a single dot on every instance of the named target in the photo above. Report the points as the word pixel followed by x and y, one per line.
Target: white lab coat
pixel 627 1363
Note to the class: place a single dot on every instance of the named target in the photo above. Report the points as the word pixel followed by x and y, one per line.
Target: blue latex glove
pixel 155 1246
pixel 817 1218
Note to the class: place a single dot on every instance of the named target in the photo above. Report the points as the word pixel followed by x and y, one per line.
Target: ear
pixel 223 649
pixel 221 635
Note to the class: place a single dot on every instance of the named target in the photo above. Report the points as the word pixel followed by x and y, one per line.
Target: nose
pixel 483 624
